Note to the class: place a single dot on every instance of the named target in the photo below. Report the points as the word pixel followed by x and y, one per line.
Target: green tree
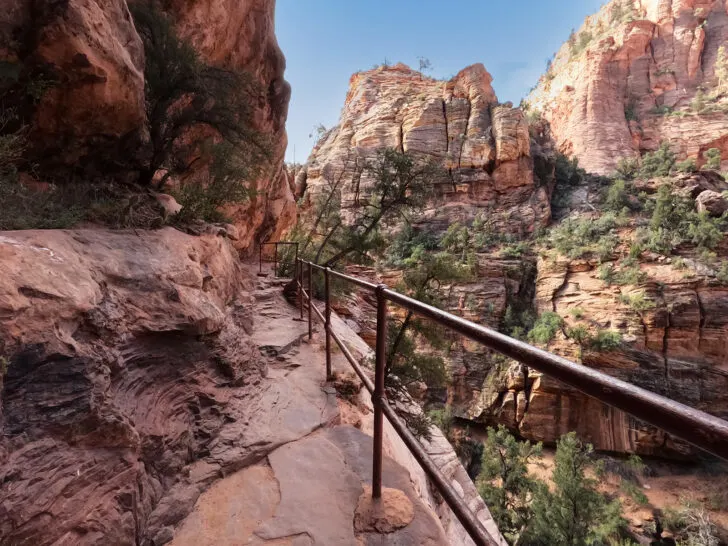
pixel 401 185
pixel 713 158
pixel 721 68
pixel 407 363
pixel 504 482
pixel 575 513
pixel 186 97
pixel 658 163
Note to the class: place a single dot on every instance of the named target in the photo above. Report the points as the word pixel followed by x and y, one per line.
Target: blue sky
pixel 326 41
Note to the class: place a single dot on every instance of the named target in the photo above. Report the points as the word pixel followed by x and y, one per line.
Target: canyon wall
pixel 483 146
pixel 91 117
pixel 637 73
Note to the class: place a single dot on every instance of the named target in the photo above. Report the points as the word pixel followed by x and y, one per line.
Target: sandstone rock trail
pixel 308 490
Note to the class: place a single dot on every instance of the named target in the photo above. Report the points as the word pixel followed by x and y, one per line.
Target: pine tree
pixel 504 483
pixel 575 513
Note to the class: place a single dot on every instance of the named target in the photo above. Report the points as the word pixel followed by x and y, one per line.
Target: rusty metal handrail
pixel 699 428
pixel 275 254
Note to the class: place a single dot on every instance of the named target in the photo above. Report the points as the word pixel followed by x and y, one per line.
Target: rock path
pixel 306 488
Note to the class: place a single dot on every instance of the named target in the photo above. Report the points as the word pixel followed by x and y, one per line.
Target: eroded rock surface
pixel 483 146
pixel 134 380
pixel 636 81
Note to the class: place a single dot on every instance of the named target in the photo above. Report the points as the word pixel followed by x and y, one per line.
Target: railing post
pixel 327 315
pixel 310 300
pixel 378 395
pixel 275 261
pixel 299 268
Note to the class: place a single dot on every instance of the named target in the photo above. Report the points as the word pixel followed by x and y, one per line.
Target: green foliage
pixel 618 197
pixel 515 251
pixel 675 221
pixel 545 328
pixel 637 301
pixel 721 68
pixel 630 111
pixel 442 419
pixel 575 513
pixel 189 106
pixel 658 163
pixel 504 482
pixel 577 313
pixel 722 273
pixel 578 237
pixel 402 183
pixel 580 42
pixel 687 166
pixel 627 168
pixel 580 334
pixel 713 159
pixel 606 340
pixel 516 323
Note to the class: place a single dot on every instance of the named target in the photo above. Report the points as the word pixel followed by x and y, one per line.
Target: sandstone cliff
pixel 484 146
pixel 90 118
pixel 637 73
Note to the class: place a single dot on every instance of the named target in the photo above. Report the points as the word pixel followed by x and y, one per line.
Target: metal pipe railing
pixel 701 429
pixel 275 244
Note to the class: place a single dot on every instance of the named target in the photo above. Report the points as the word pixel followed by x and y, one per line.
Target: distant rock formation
pixel 483 146
pixel 637 73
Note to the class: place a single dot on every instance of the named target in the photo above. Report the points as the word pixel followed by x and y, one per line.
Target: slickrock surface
pixel 484 146
pixel 656 55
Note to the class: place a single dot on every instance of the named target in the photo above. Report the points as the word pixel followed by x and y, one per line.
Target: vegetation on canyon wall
pixel 202 146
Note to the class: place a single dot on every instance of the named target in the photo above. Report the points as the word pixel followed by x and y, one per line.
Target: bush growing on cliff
pixel 402 182
pixel 197 114
pixel 658 163
pixel 576 237
pixel 545 328
pixel 712 159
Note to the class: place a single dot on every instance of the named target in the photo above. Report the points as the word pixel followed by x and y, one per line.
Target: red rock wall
pixel 657 59
pixel 95 112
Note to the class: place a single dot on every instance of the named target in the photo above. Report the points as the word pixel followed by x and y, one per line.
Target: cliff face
pixel 483 146
pixel 629 78
pixel 126 356
pixel 92 116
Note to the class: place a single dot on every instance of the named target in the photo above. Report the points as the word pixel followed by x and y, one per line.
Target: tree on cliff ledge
pixel 198 114
pixel 401 184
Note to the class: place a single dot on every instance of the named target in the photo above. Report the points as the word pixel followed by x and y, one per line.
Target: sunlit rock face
pixel 483 146
pixel 635 83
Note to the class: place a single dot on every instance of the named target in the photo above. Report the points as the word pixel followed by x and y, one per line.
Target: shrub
pixel 658 163
pixel 713 158
pixel 514 251
pixel 691 525
pixel 578 237
pixel 568 176
pixel 606 340
pixel 579 334
pixel 721 67
pixel 575 513
pixel 617 196
pixel 577 313
pixel 442 419
pixel 183 93
pixel 687 166
pixel 722 273
pixel 628 168
pixel 638 301
pixel 545 328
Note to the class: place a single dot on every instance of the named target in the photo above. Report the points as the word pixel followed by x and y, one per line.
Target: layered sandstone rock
pixel 483 146
pixel 635 83
pixel 241 36
pixel 93 116
pixel 119 351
